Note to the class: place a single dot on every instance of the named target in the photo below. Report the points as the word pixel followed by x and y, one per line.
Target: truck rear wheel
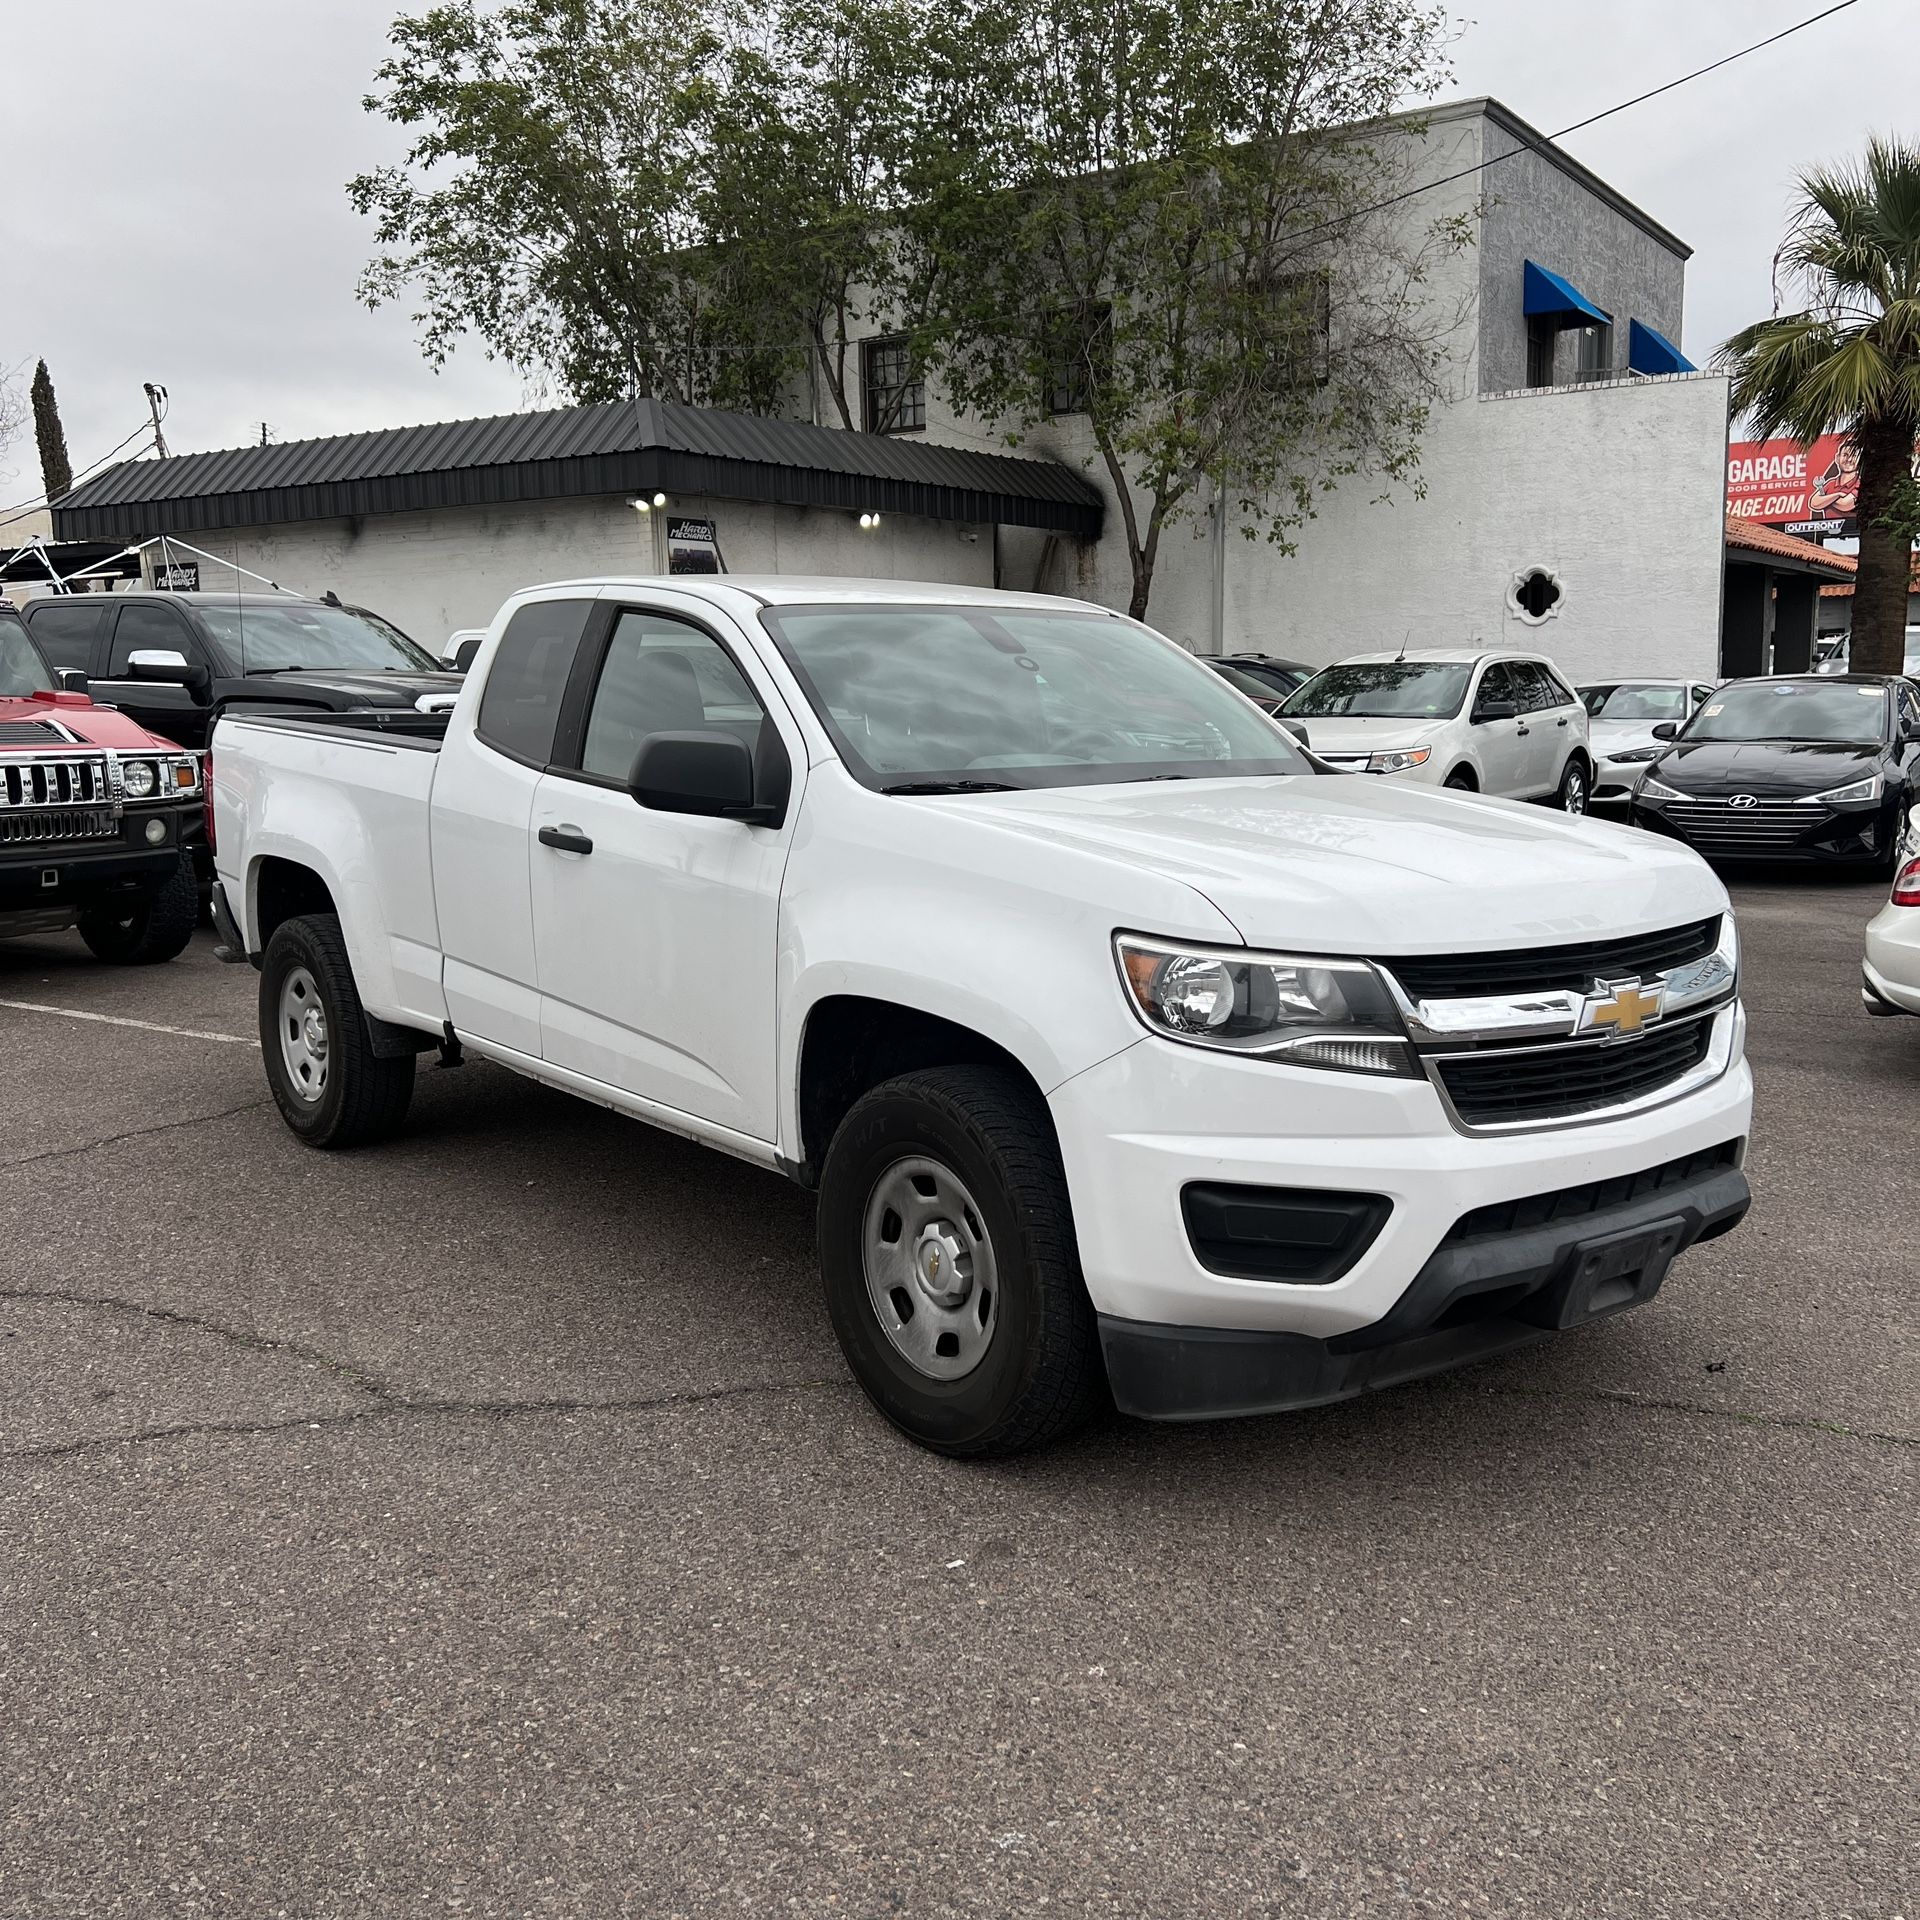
pixel 332 1089
pixel 157 929
pixel 952 1274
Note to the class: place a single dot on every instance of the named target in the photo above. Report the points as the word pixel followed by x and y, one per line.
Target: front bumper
pixel 1478 1295
pixel 1139 1128
pixel 44 877
pixel 1615 780
pixel 1774 830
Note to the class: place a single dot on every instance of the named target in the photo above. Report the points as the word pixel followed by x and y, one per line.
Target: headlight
pixel 1309 1013
pixel 1632 756
pixel 1867 789
pixel 139 777
pixel 1401 761
pixel 1652 789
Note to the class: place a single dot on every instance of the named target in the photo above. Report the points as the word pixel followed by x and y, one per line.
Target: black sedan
pixel 1790 768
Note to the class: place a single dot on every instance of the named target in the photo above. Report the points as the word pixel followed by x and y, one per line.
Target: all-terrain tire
pixel 1040 1374
pixel 155 930
pixel 345 1095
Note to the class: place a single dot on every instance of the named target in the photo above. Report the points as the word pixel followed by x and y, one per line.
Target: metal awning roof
pixel 624 446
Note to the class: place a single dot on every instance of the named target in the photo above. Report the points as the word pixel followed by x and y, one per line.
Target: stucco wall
pixel 1535 211
pixel 433 573
pixel 1617 489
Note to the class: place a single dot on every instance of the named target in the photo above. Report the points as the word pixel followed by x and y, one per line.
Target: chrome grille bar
pixel 53 780
pixel 46 824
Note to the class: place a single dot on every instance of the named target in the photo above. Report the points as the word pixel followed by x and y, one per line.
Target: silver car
pixel 1621 717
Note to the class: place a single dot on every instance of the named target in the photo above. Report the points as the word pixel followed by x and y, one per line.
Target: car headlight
pixel 1633 756
pixel 1853 794
pixel 1652 789
pixel 1399 762
pixel 139 778
pixel 1335 1014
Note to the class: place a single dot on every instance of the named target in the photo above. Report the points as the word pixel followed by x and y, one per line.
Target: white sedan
pixel 1890 978
pixel 1621 717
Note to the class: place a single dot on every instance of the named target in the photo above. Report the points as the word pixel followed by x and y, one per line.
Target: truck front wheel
pixel 952 1273
pixel 332 1089
pixel 157 929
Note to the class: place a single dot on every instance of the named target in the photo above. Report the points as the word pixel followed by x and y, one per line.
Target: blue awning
pixel 1649 351
pixel 1549 295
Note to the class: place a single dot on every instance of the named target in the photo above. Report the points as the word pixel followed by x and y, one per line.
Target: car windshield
pixel 1794 710
pixel 22 672
pixel 975 698
pixel 1382 690
pixel 271 637
pixel 1636 700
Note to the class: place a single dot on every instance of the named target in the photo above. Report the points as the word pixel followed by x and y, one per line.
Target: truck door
pixel 656 932
pixel 483 790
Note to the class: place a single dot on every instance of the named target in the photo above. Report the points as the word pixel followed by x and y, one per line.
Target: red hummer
pixel 99 819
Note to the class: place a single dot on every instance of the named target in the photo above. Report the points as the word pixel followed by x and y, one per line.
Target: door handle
pixel 566 839
pixel 1523 728
pixel 1559 723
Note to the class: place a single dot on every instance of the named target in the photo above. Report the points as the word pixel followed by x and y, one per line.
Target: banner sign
pixel 178 576
pixel 1811 490
pixel 693 546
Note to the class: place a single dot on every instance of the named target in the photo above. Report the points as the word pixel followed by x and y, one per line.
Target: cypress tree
pixel 55 468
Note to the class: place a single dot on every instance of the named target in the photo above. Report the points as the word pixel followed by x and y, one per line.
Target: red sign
pixel 1805 489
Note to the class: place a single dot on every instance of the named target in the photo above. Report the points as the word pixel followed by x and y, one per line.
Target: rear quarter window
pixel 520 705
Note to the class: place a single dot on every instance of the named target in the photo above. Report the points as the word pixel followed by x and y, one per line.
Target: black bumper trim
pixel 1469 1302
pixel 232 948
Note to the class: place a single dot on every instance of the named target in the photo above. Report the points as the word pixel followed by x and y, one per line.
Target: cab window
pixel 520 707
pixel 143 625
pixel 65 631
pixel 662 675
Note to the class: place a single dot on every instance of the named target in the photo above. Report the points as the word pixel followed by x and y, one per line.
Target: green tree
pixel 56 470
pixel 1848 361
pixel 1178 244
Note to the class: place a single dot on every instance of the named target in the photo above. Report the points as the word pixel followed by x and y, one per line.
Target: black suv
pixel 177 661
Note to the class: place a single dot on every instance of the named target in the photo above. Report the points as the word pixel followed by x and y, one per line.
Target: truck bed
pixel 425 731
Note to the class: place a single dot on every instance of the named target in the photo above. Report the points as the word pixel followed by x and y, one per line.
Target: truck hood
pixel 343 687
pixel 50 721
pixel 1350 865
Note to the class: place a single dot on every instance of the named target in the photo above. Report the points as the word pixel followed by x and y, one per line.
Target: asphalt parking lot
pixel 486 1524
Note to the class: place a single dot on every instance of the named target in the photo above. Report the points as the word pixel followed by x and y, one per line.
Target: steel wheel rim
pixel 931 1275
pixel 303 1034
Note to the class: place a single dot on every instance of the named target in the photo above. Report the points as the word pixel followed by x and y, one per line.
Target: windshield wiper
pixel 952 786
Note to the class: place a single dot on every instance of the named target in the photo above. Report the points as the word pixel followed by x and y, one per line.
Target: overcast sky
pixel 174 204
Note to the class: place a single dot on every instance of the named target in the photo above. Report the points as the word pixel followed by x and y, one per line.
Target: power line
pixel 21 508
pixel 1593 119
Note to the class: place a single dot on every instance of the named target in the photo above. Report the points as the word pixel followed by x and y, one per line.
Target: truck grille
pixel 1536 969
pixel 57 823
pixel 1763 825
pixel 49 780
pixel 1559 1082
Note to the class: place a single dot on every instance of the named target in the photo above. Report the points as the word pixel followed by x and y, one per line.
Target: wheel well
pixel 1463 772
pixel 852 1044
pixel 283 890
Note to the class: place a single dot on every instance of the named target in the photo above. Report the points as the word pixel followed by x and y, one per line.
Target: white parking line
pixel 145 1026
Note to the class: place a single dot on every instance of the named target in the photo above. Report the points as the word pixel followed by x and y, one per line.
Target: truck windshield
pixel 1846 711
pixel 22 672
pixel 1382 690
pixel 973 699
pixel 274 637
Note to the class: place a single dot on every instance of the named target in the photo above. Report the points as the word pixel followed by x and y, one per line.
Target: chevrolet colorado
pixel 1127 1050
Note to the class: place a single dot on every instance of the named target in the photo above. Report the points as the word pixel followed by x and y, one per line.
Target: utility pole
pixel 157 406
pixel 263 433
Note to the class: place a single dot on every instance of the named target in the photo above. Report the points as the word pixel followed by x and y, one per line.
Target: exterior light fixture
pixel 641 506
pixel 870 521
pixel 659 499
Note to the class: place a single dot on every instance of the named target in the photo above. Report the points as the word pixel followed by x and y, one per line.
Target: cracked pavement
pixel 485 1524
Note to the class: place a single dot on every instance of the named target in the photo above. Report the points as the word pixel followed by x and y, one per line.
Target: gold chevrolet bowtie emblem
pixel 1621 1006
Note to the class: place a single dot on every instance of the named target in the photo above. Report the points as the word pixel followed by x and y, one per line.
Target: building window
pixel 1543 337
pixel 1595 360
pixel 895 393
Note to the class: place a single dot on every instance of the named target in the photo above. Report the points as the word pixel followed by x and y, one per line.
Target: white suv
pixel 1501 723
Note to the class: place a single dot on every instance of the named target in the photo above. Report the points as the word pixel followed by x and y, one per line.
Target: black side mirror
pixel 72 680
pixel 706 773
pixel 463 655
pixel 1667 730
pixel 1495 710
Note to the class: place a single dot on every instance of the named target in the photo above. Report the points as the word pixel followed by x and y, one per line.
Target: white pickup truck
pixel 1127 1052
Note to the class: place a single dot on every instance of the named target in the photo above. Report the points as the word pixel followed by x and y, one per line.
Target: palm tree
pixel 1849 362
